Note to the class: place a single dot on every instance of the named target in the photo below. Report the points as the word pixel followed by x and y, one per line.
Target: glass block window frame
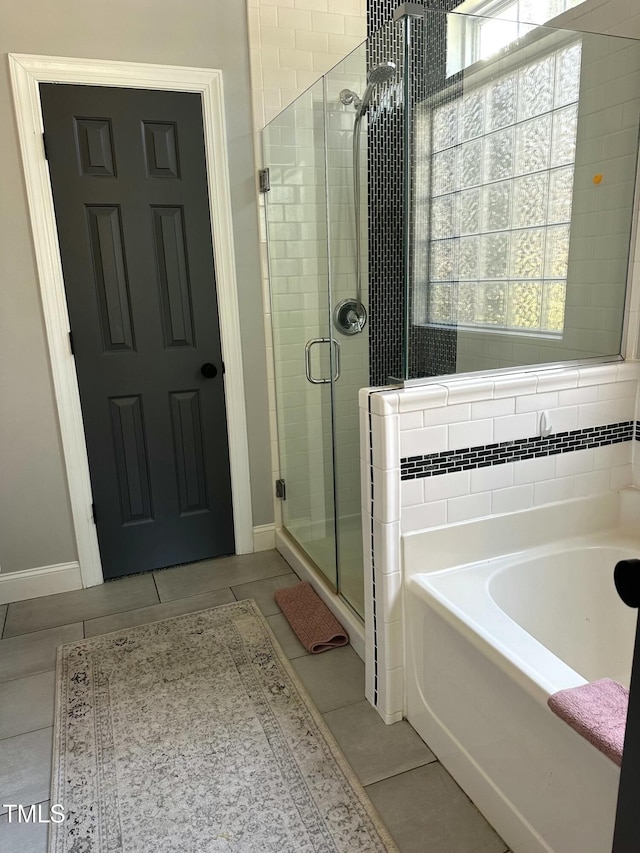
pixel 500 22
pixel 501 184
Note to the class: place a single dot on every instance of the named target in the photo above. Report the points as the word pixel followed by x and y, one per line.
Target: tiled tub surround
pixel 503 452
pixel 455 415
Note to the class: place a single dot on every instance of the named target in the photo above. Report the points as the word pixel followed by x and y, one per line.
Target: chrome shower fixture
pixel 348 97
pixel 378 76
pixel 350 315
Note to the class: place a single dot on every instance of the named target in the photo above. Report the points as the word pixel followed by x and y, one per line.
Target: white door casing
pixel 27 71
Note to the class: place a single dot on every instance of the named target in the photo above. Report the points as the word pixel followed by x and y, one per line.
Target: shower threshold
pixel 306 570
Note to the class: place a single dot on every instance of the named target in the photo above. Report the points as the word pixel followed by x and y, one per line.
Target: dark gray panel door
pixel 130 192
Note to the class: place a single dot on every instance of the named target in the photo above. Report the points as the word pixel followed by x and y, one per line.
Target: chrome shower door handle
pixel 307 360
pixel 336 359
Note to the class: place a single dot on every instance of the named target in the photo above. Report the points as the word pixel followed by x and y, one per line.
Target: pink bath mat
pixel 313 623
pixel 597 711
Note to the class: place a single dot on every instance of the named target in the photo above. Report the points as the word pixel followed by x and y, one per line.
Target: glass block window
pixel 502 167
pixel 503 21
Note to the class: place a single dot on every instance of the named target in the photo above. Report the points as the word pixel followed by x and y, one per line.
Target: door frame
pixel 27 71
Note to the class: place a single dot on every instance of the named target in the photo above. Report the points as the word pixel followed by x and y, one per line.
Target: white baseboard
pixel 264 537
pixel 34 583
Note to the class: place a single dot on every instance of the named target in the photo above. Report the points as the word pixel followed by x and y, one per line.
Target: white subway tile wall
pixel 300 302
pixel 294 42
pixel 604 16
pixel 354 350
pixel 312 248
pixel 589 399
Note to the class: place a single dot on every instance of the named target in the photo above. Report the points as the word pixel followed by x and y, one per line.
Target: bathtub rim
pixel 538 670
pixel 491 537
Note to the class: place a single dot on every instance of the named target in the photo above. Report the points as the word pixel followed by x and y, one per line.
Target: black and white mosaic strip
pixel 468 458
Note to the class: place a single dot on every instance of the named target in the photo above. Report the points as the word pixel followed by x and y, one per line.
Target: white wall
pixel 294 42
pixel 615 17
pixel 35 521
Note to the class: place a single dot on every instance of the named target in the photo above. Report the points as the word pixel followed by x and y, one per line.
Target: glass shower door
pixel 349 79
pixel 305 359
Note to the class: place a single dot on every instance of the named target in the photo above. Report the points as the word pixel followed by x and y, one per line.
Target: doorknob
pixel 208 370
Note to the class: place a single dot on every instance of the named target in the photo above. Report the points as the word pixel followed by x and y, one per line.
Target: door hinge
pixel 265 183
pixel 93 514
pixel 44 145
pixel 281 490
pixel 71 347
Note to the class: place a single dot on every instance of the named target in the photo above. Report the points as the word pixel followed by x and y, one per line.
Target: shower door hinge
pixel 263 176
pixel 281 490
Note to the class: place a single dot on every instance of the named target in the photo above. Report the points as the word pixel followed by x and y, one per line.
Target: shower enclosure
pixel 319 320
pixel 494 163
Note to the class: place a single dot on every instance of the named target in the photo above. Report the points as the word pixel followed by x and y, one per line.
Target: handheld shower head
pixel 383 73
pixel 378 76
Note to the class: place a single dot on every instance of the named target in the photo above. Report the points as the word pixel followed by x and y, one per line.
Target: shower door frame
pixel 328 333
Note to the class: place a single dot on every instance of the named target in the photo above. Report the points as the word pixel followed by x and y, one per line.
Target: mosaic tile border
pixel 484 456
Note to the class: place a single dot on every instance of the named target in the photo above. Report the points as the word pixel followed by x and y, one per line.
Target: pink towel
pixel 597 711
pixel 314 624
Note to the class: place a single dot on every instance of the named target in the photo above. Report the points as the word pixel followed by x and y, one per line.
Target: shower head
pixel 378 76
pixel 383 73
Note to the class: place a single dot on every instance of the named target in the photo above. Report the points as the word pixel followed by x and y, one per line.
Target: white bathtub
pixel 486 644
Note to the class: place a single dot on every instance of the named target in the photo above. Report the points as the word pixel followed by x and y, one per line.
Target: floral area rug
pixel 194 735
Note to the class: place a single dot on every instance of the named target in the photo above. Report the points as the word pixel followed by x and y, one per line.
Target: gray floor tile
pixel 375 750
pixel 263 591
pixel 291 645
pixel 25 768
pixel 26 704
pixel 66 607
pixel 426 812
pixel 28 654
pixel 24 837
pixel 156 612
pixel 333 679
pixel 217 574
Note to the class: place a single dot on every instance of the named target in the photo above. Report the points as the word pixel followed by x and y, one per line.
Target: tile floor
pixel 424 809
